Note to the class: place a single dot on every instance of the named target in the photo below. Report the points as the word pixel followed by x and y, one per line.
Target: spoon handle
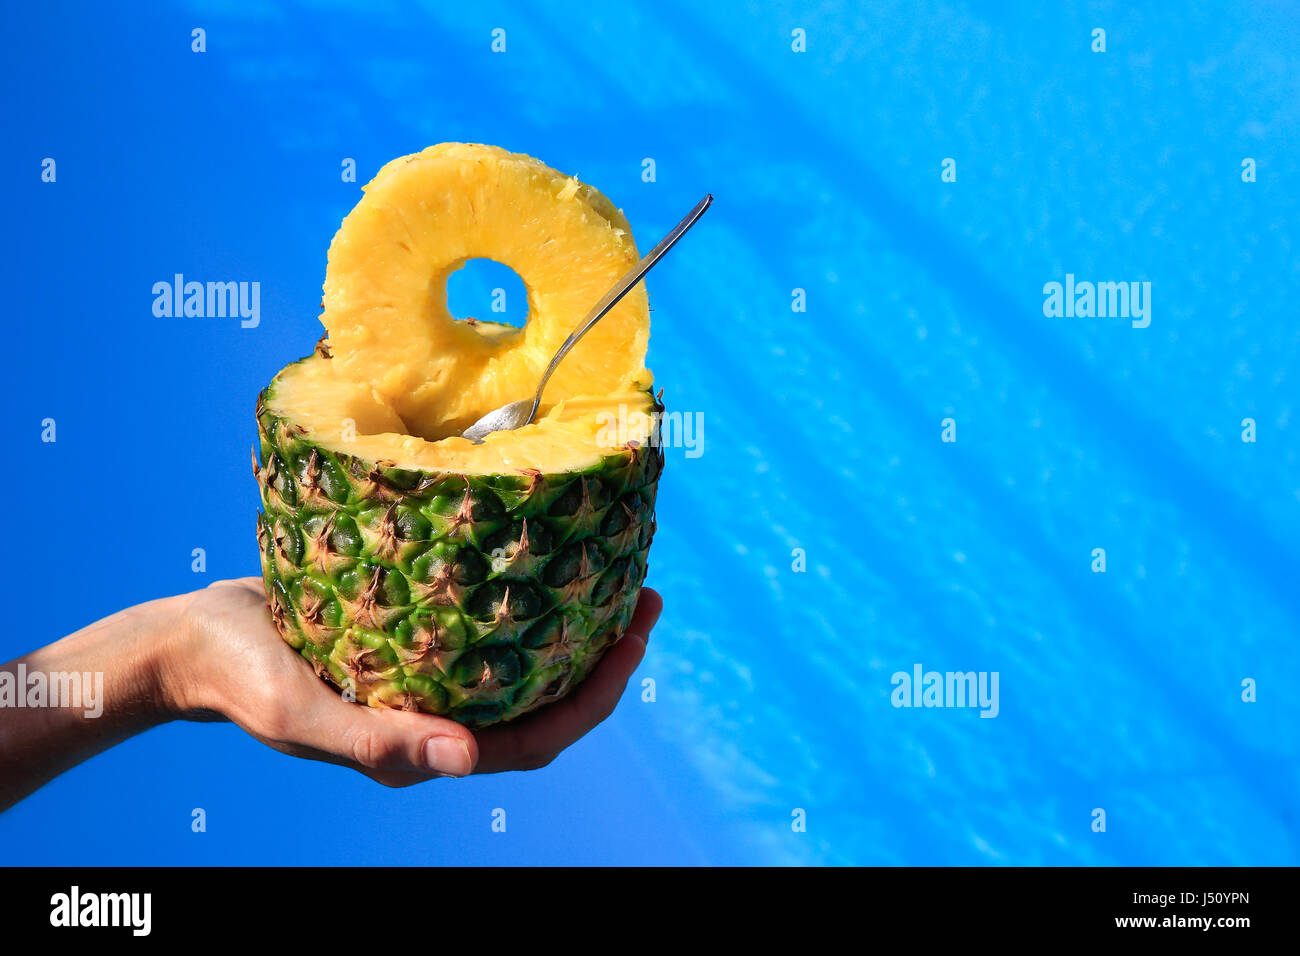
pixel 620 289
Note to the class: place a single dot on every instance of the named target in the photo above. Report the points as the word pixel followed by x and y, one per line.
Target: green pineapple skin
pixel 475 598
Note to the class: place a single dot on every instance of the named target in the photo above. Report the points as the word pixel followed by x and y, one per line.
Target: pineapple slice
pixel 420 219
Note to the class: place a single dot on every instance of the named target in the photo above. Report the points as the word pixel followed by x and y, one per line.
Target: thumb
pixel 387 740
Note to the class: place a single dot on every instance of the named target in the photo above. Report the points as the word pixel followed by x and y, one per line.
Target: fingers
pixel 536 740
pixel 649 606
pixel 596 699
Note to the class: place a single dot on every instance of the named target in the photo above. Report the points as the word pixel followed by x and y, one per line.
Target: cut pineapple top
pixel 349 417
pixel 408 369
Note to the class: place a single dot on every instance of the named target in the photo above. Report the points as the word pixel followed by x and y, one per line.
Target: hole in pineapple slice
pixel 487 291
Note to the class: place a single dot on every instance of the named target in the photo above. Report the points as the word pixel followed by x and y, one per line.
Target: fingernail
pixel 447 755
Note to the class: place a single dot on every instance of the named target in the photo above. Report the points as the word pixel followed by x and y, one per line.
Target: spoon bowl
pixel 520 413
pixel 506 418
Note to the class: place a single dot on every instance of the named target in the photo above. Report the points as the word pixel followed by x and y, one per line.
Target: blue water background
pixel 1119 691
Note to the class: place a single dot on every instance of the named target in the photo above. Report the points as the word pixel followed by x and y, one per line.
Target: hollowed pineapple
pixel 410 566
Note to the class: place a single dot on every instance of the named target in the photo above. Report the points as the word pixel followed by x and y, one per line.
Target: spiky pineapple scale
pixel 474 597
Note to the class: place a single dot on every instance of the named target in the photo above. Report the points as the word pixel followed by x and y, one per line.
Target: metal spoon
pixel 521 413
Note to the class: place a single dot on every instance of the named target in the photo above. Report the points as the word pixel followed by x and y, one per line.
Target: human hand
pixel 225 660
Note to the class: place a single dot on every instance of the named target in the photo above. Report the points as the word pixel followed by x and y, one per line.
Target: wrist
pixel 136 649
pixel 172 662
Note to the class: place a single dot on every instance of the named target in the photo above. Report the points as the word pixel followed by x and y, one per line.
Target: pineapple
pixel 410 566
